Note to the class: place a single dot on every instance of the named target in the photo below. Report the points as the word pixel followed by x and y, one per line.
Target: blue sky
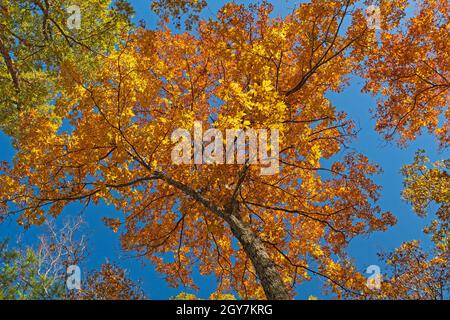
pixel 104 244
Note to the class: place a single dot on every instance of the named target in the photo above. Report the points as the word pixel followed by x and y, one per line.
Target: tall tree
pixel 263 73
pixel 261 235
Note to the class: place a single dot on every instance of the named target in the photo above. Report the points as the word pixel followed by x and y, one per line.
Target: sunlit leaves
pixel 408 68
pixel 241 70
pixel 36 45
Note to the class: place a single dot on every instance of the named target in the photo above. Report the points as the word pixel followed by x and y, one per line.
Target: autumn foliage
pixel 108 140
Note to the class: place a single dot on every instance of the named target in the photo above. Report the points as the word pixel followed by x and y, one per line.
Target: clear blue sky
pixel 104 244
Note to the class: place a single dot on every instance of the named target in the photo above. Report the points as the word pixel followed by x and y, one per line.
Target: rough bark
pixel 266 271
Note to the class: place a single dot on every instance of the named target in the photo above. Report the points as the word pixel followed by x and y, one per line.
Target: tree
pixel 37 42
pixel 412 270
pixel 40 272
pixel 408 69
pixel 20 276
pixel 419 273
pixel 415 273
pixel 109 283
pixel 123 145
pixel 176 9
pixel 261 235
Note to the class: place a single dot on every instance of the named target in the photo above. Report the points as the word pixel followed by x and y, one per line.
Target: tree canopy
pixel 119 96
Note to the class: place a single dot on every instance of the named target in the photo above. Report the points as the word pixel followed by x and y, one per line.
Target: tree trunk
pixel 266 271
